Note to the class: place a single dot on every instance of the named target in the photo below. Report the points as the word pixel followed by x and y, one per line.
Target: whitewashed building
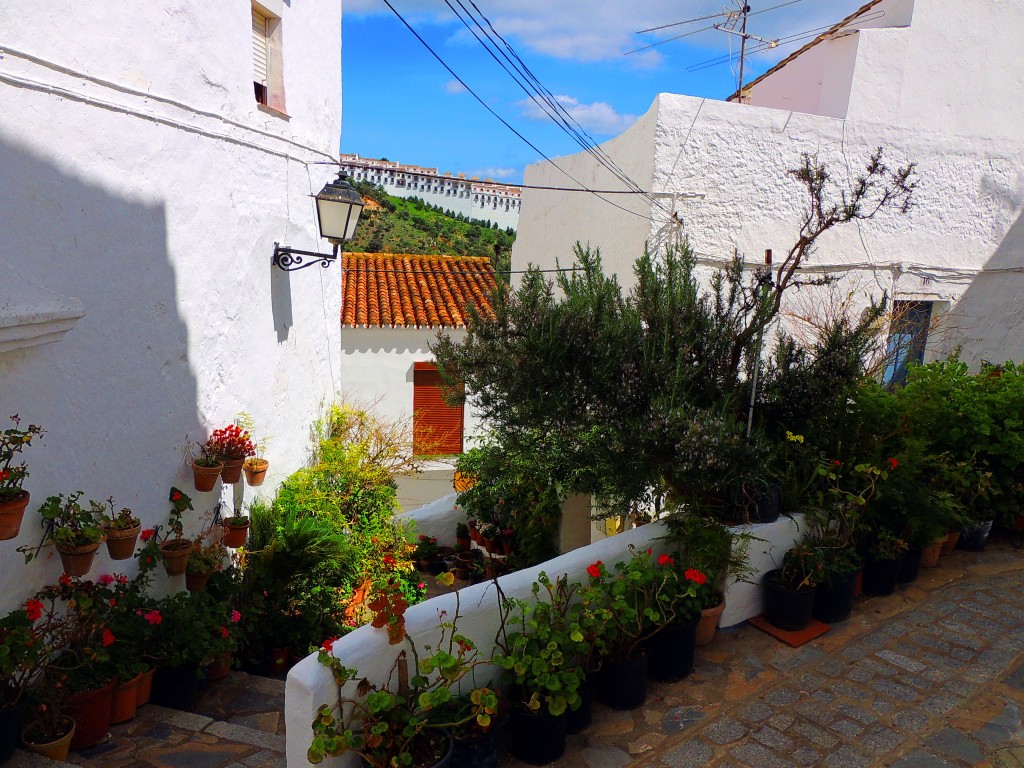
pixel 151 154
pixel 393 307
pixel 932 81
pixel 475 198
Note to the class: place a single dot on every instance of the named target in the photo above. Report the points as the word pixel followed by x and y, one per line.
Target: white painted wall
pixel 310 684
pixel 377 370
pixel 139 177
pixel 971 190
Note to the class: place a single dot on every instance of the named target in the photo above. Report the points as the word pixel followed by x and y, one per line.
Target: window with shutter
pixel 436 426
pixel 260 57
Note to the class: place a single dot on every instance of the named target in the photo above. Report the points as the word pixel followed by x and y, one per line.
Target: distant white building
pixel 933 81
pixel 475 198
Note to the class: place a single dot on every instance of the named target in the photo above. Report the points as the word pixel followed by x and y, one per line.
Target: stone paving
pixel 932 677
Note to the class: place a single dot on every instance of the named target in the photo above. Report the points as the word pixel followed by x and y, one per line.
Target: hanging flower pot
pixel 121 541
pixel 175 554
pixel 708 625
pixel 255 471
pixel 232 471
pixel 126 700
pixel 236 531
pixel 204 476
pixel 11 514
pixel 195 581
pixel 77 561
pixel 55 749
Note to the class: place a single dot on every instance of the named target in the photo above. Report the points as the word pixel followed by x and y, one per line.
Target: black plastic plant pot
pixel 478 752
pixel 578 720
pixel 176 687
pixel 536 738
pixel 11 719
pixel 833 598
pixel 880 575
pixel 787 609
pixel 623 683
pixel 672 651
pixel 768 507
pixel 909 566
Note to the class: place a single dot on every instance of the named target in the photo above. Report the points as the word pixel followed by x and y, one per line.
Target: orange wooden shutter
pixel 436 426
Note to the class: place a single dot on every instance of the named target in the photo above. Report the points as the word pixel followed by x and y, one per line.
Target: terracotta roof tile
pixel 392 289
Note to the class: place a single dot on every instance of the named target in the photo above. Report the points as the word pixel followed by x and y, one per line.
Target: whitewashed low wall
pixel 310 684
pixel 437 519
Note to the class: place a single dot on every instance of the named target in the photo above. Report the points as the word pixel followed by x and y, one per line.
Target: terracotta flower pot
pixel 142 693
pixel 708 626
pixel 204 478
pixel 930 554
pixel 951 539
pixel 77 561
pixel 11 514
pixel 232 471
pixel 126 700
pixel 91 712
pixel 55 750
pixel 176 552
pixel 280 659
pixel 235 535
pixel 121 542
pixel 196 582
pixel 256 472
pixel 220 668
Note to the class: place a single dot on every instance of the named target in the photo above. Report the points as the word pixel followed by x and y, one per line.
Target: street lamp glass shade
pixel 338 207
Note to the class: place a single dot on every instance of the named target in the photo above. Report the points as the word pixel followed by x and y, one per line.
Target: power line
pixel 499 117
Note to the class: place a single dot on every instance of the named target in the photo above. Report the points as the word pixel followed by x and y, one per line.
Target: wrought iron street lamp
pixel 338 206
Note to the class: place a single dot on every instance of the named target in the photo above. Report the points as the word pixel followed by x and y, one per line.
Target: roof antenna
pixel 739 18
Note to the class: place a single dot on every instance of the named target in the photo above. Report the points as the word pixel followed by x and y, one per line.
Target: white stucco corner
pixel 437 519
pixel 31 315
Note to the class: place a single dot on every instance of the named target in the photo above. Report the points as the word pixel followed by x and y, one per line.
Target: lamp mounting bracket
pixel 291 259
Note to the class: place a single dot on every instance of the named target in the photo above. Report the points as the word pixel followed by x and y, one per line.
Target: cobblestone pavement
pixel 932 677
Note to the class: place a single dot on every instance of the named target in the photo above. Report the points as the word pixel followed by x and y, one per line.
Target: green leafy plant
pixel 71 523
pixel 120 521
pixel 802 568
pixel 13 442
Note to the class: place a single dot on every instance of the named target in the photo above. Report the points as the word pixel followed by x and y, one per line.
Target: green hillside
pixel 396 225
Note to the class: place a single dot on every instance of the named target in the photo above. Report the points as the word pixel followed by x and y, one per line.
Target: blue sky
pixel 400 103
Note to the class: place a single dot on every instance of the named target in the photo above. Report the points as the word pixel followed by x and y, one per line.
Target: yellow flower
pixel 794 438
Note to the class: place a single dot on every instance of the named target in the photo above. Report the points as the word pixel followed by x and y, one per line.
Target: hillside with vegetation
pixel 398 225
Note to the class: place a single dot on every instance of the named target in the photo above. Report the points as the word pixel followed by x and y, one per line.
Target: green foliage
pixel 410 225
pixel 73 525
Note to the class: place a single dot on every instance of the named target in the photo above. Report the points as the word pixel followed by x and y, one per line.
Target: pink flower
pixel 106 579
pixel 224 632
pixel 153 617
pixel 421 585
pixel 235 617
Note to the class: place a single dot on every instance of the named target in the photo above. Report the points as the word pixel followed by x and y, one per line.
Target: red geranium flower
pixel 695 576
pixel 147 534
pixel 594 569
pixel 65 580
pixel 235 617
pixel 892 463
pixel 328 644
pixel 224 632
pixel 154 617
pixel 665 560
pixel 176 495
pixel 108 638
pixel 106 579
pixel 34 609
pixel 836 463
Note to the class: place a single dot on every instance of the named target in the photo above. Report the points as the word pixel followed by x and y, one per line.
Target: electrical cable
pixel 499 117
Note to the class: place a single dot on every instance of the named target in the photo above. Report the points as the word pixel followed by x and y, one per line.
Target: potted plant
pixel 207 557
pixel 206 466
pixel 255 468
pixel 21 657
pixel 636 604
pixel 885 550
pixel 231 445
pixel 474 722
pixel 13 498
pixel 540 658
pixel 426 553
pixel 236 530
pixel 121 531
pixel 789 590
pixel 462 537
pixel 49 731
pixel 405 726
pixel 175 551
pixel 679 606
pixel 75 530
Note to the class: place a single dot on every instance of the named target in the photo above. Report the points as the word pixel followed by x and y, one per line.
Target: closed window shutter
pixel 436 426
pixel 260 53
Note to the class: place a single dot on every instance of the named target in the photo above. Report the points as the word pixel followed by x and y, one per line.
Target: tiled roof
pixel 389 289
pixel 823 36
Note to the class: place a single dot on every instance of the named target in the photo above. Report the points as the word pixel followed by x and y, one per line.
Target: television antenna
pixel 738 18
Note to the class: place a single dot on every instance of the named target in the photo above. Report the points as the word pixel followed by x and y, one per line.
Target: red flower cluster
pixel 665 560
pixel 695 576
pixel 594 569
pixel 328 644
pixel 231 442
pixel 224 632
pixel 108 638
pixel 892 463
pixel 34 609
pixel 389 561
pixel 235 617
pixel 147 534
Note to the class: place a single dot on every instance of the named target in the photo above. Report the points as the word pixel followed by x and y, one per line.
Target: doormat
pixel 793 639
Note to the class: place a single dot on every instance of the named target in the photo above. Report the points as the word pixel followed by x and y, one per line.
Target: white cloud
pixel 585 30
pixel 454 86
pixel 599 117
pixel 493 173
